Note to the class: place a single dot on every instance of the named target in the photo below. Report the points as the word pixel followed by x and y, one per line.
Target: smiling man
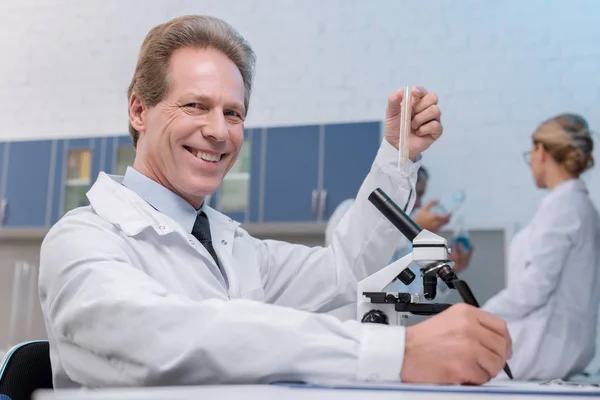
pixel 149 286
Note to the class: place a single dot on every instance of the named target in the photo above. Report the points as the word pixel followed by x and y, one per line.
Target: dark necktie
pixel 201 231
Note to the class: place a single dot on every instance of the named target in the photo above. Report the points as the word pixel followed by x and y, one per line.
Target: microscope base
pixel 382 303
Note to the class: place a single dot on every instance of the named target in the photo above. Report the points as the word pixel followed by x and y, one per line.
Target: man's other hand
pixel 426 125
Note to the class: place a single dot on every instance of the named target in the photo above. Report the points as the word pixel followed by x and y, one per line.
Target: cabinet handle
pixel 322 204
pixel 315 198
pixel 3 204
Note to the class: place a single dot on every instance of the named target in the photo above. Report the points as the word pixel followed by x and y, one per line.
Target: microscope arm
pixel 380 279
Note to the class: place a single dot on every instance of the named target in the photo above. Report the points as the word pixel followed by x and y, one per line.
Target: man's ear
pixel 137 112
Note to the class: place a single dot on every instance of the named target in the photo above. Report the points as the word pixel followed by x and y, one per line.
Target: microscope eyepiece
pixel 394 214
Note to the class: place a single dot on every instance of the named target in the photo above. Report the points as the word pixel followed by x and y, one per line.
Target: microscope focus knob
pixel 375 317
pixel 404 298
pixel 406 276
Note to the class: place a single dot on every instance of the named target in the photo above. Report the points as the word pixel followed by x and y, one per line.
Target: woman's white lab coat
pixel 131 298
pixel 551 299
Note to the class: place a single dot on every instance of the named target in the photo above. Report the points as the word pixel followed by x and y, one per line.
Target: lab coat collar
pixel 161 198
pixel 129 212
pixel 565 187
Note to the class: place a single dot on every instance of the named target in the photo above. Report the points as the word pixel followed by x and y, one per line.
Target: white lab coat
pixel 553 289
pixel 130 299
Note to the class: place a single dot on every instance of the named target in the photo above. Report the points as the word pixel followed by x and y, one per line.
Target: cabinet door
pixel 120 154
pixel 57 181
pixel 233 196
pixel 258 147
pixel 349 153
pixel 81 167
pixel 3 175
pixel 27 191
pixel 79 161
pixel 291 174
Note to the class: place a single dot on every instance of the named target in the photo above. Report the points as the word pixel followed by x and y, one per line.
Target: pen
pixel 468 297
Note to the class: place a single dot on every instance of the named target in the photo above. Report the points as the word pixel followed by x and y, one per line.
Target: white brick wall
pixel 499 67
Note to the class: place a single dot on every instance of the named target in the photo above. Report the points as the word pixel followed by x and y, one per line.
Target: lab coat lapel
pixel 131 214
pixel 222 230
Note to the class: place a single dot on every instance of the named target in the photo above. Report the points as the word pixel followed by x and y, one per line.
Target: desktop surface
pixel 268 392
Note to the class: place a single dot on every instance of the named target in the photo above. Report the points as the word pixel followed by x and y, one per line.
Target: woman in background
pixel 551 300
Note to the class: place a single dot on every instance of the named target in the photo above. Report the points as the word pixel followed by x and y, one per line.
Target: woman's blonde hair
pixel 150 80
pixel 567 138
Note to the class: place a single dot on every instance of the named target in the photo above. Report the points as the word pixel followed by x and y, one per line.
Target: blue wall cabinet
pixel 349 153
pixel 3 176
pixel 234 195
pixel 258 142
pixel 284 174
pixel 214 202
pixel 309 170
pixel 291 174
pixel 30 167
pixel 78 163
pixel 120 154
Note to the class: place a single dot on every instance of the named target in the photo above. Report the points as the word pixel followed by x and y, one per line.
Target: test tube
pixel 405 117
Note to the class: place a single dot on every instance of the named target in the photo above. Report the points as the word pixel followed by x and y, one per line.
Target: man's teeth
pixel 208 157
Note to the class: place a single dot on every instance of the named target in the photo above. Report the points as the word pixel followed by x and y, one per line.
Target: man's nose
pixel 216 127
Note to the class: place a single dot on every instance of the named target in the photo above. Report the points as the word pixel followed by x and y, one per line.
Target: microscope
pixel 430 253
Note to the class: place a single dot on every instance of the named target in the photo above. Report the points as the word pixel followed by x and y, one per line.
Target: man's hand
pixel 430 221
pixel 426 125
pixel 460 257
pixel 462 345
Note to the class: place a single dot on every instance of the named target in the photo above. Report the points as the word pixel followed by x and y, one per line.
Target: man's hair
pixel 422 174
pixel 150 80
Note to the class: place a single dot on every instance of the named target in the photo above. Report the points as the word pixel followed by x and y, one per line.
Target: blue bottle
pixel 450 204
pixel 461 235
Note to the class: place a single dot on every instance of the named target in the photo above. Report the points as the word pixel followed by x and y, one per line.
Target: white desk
pixel 265 392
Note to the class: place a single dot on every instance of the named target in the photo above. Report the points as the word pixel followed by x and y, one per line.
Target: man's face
pixel 192 138
pixel 420 189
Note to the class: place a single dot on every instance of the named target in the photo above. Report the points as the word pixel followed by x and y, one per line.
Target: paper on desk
pixel 505 387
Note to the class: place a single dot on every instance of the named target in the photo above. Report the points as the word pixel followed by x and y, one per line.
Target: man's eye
pixel 232 113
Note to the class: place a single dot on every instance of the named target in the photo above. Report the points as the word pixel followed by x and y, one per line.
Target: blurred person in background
pixel 426 218
pixel 553 290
